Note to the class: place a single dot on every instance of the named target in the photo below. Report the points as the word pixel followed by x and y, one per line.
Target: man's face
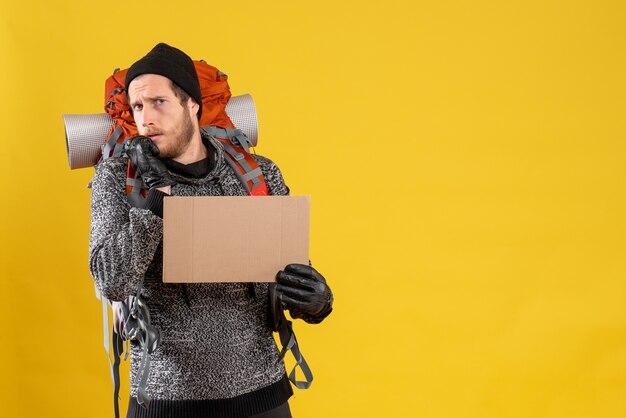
pixel 160 115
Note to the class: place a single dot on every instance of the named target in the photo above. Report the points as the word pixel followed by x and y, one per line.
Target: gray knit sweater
pixel 216 343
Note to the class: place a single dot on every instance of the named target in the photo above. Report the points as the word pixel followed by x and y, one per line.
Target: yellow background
pixel 466 165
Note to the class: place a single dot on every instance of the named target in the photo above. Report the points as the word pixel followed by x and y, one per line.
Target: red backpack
pixel 214 121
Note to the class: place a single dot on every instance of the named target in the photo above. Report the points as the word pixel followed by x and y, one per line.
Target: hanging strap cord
pixel 118 336
pixel 138 327
pixel 279 323
pixel 118 346
pixel 290 343
pixel 117 342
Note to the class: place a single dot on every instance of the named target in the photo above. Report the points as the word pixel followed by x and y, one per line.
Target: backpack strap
pixel 279 323
pixel 237 149
pixel 118 347
pixel 236 136
pixel 116 341
pixel 137 327
pixel 111 147
pixel 136 191
pixel 290 343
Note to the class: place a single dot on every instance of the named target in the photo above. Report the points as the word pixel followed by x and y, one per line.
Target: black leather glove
pixel 304 292
pixel 143 156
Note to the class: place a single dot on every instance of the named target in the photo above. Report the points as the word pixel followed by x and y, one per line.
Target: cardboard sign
pixel 233 238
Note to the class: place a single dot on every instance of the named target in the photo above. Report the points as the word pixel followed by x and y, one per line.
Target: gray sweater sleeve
pixel 123 239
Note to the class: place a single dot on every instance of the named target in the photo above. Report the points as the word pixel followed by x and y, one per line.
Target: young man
pixel 217 356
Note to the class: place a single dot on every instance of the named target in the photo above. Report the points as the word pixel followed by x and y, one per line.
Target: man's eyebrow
pixel 148 99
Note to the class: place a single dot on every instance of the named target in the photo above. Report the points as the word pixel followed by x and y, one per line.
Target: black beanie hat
pixel 172 63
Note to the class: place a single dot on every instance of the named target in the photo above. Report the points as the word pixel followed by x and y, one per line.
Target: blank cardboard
pixel 233 238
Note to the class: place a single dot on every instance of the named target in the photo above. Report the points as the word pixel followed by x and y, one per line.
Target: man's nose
pixel 148 115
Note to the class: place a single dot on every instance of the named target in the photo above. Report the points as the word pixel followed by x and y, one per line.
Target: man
pixel 217 356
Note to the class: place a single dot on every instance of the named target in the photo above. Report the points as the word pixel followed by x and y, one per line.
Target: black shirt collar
pixel 196 170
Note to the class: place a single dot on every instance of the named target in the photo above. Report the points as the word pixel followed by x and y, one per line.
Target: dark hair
pixel 182 95
pixel 179 92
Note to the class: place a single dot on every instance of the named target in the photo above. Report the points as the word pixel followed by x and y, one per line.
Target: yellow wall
pixel 466 165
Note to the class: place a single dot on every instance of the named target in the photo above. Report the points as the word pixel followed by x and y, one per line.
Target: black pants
pixel 136 411
pixel 282 411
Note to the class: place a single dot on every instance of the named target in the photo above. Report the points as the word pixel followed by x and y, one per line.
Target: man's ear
pixel 193 107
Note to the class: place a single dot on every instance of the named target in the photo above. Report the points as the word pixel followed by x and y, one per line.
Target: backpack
pixel 214 122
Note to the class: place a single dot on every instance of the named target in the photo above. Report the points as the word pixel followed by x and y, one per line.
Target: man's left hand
pixel 304 292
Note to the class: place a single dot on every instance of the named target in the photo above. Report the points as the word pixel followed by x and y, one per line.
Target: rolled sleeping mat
pixel 85 134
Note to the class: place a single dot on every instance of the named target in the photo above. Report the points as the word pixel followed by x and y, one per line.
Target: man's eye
pixel 137 107
pixel 160 101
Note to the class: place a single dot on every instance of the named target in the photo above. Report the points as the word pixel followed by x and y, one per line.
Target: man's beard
pixel 181 139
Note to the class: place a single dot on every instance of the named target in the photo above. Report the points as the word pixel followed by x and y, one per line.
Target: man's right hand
pixel 143 155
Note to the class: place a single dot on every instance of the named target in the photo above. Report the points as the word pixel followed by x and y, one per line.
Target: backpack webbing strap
pixel 137 326
pixel 118 347
pixel 144 372
pixel 134 183
pixel 249 173
pixel 243 168
pixel 237 149
pixel 290 343
pixel 135 188
pixel 114 365
pixel 105 326
pixel 118 151
pixel 236 136
pixel 110 145
pixel 112 148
